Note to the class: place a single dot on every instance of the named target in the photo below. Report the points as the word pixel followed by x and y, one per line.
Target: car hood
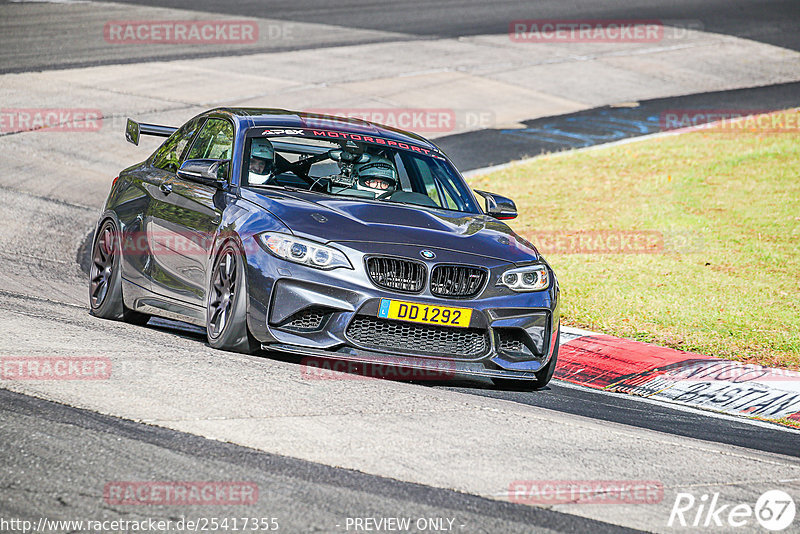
pixel 329 219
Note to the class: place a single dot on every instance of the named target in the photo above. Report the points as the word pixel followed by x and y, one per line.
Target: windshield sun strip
pixel 338 136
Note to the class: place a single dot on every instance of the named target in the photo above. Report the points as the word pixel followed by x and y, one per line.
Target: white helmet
pixel 262 155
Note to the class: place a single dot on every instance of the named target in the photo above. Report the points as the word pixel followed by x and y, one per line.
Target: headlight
pixel 303 251
pixel 533 278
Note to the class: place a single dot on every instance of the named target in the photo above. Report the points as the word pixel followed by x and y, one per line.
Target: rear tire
pixel 105 278
pixel 543 376
pixel 226 306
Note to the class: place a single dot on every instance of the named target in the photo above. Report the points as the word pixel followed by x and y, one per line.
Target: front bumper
pixel 299 310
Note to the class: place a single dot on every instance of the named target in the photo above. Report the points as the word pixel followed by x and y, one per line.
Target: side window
pixel 215 141
pixel 168 156
pixel 424 174
pixel 436 183
pixel 433 187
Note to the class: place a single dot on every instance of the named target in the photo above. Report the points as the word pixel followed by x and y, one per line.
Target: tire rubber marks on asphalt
pixel 588 129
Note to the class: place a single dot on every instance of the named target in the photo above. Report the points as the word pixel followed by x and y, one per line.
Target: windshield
pixel 372 169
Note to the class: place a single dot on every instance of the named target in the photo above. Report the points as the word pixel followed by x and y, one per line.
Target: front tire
pixel 105 278
pixel 226 309
pixel 543 376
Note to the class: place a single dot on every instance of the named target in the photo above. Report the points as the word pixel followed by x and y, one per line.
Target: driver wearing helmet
pixel 262 158
pixel 378 175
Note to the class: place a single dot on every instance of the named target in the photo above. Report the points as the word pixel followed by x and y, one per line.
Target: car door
pixel 161 170
pixel 187 216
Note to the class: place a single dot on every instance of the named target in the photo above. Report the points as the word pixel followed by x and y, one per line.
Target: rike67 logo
pixel 773 511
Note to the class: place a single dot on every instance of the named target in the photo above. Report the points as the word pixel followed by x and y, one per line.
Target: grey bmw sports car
pixel 325 237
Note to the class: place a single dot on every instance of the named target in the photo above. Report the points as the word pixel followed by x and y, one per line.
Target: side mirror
pixel 498 206
pixel 205 171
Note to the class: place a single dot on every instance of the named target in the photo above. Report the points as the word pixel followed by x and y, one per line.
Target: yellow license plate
pixel 424 313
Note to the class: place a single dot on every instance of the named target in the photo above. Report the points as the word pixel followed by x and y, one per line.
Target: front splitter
pixel 447 368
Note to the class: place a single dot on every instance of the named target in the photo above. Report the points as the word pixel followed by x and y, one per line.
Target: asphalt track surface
pixel 91 449
pixel 41 439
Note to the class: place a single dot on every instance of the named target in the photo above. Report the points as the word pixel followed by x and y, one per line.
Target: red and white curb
pixel 620 365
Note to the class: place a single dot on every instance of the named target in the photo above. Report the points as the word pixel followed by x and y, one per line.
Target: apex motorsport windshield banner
pixel 339 136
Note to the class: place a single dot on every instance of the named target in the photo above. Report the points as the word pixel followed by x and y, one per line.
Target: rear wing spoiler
pixel 135 129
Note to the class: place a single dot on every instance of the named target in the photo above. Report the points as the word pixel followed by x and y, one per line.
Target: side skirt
pixel 140 299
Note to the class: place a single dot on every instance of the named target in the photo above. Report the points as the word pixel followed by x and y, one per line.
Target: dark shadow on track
pixel 635 412
pixel 773 22
pixel 482 148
